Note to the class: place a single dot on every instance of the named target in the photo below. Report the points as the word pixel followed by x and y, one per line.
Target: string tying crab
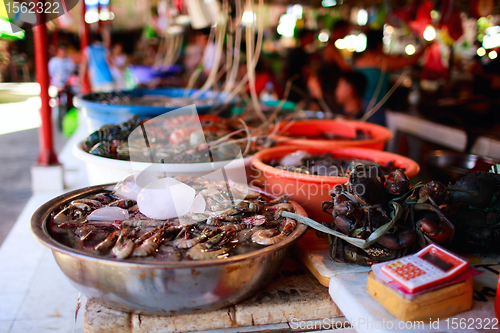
pixel 378 219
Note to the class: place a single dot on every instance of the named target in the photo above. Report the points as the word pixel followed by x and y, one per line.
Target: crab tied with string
pixel 378 219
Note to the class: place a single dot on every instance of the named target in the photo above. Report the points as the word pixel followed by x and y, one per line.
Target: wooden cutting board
pixel 314 252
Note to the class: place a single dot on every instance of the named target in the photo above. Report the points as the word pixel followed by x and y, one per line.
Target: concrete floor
pixel 19 149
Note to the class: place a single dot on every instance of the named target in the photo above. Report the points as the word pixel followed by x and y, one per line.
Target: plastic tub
pixel 102 170
pixel 97 114
pixel 311 190
pixel 290 133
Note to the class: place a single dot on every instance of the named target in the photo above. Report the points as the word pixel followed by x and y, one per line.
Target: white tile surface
pixel 9 305
pixel 5 326
pixel 44 305
pixel 22 229
pixel 35 296
pixel 15 281
pixel 49 325
pixel 47 178
pixel 51 281
pixel 48 263
pixel 19 253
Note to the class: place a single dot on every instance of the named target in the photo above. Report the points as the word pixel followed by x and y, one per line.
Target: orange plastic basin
pixel 291 133
pixel 311 190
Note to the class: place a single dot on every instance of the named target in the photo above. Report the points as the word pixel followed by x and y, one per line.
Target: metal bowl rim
pixel 39 221
pixel 441 153
pixel 85 156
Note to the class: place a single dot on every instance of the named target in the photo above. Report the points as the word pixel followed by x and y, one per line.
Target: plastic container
pixel 310 190
pixel 291 133
pixel 102 170
pixel 97 114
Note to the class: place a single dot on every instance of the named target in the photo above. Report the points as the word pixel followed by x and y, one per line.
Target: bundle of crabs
pixel 395 219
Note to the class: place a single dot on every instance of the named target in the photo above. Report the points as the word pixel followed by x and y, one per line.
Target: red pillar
pixel 54 39
pixel 47 155
pixel 99 22
pixel 84 42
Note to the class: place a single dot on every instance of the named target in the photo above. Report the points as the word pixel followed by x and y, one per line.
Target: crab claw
pixel 397 183
pixel 434 190
pixel 437 232
pixel 336 190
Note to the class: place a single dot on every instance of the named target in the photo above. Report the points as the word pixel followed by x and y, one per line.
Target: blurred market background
pixel 165 42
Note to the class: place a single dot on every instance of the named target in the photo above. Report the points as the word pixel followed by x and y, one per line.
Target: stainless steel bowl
pixel 449 166
pixel 162 288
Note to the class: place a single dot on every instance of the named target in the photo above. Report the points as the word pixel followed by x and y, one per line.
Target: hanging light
pixel 388 29
pixel 340 44
pixel 410 49
pixel 91 16
pixel 492 37
pixel 286 25
pixel 323 37
pixel 248 18
pixel 481 51
pixel 297 11
pixel 329 3
pixel 183 20
pixel 492 55
pixel 362 17
pixel 104 14
pixel 429 33
pixel 360 43
pixel 350 42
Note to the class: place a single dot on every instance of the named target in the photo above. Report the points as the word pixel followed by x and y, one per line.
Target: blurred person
pixel 62 73
pixel 349 93
pixel 193 53
pixel 4 59
pixel 298 65
pixel 118 65
pixel 199 58
pixel 96 62
pixel 332 63
pixel 331 57
pixel 209 53
pixel 375 65
pixel 61 67
pixel 266 85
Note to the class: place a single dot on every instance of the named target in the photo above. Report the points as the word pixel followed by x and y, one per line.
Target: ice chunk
pixel 294 159
pixel 108 214
pixel 165 198
pixel 199 204
pixel 130 186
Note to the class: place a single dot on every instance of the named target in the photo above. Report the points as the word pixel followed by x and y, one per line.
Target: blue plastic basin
pixel 97 114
